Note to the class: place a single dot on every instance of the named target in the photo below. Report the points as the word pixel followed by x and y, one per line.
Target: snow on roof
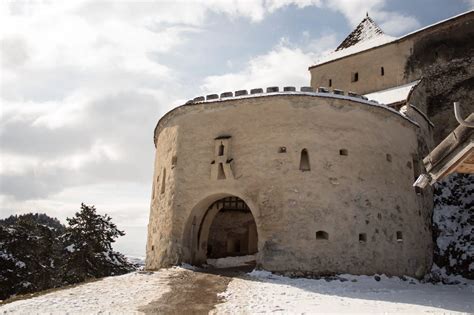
pixel 372 102
pixel 393 95
pixel 360 46
pixel 370 37
pixel 367 29
pixel 365 36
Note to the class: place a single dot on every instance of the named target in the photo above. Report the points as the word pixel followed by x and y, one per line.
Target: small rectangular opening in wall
pixel 330 83
pixel 362 237
pixel 221 149
pixel 321 235
pixel 304 161
pixel 354 76
pixel 382 71
pixel 399 236
pixel 152 247
pixel 343 152
pixel 388 157
pixel 163 182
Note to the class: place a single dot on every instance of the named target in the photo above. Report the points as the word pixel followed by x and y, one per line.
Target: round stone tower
pixel 312 183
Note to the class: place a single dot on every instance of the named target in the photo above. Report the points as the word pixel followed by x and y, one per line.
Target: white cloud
pixel 470 3
pixel 284 65
pixel 396 24
pixel 393 23
pixel 83 84
pixel 274 5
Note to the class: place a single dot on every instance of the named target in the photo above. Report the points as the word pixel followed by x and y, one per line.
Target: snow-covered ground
pixel 263 292
pixel 112 295
pixel 258 292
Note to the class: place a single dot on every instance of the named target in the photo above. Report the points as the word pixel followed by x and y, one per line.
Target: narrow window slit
pixel 163 182
pixel 355 76
pixel 399 236
pixel 362 237
pixel 221 150
pixel 343 152
pixel 304 161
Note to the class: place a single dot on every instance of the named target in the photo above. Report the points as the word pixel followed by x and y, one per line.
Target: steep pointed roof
pixel 366 30
pixel 368 37
pixel 365 36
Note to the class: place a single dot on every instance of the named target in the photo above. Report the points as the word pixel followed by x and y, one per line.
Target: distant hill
pixel 39 218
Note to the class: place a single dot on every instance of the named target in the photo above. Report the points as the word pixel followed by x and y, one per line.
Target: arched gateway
pixel 225 227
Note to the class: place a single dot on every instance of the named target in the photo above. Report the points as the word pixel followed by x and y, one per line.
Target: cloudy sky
pixel 83 83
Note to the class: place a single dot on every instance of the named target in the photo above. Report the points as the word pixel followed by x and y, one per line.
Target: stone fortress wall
pixel 442 55
pixel 327 179
pixel 316 181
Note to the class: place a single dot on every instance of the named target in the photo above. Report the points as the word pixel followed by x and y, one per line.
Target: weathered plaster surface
pixel 345 196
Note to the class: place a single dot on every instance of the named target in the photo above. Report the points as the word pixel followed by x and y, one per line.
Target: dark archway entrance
pixel 227 228
pixel 233 231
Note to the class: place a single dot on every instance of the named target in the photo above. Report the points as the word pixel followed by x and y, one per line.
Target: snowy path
pixel 170 290
pixel 262 292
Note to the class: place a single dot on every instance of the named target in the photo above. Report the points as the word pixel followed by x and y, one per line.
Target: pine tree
pixel 29 254
pixel 88 247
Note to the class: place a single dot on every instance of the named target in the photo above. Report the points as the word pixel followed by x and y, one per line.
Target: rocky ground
pixel 236 290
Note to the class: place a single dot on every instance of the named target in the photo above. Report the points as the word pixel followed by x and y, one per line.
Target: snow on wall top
pixel 393 95
pixel 365 36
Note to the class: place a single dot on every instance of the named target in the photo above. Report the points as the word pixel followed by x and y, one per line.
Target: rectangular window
pixel 354 76
pixel 330 82
pixel 382 71
pixel 322 235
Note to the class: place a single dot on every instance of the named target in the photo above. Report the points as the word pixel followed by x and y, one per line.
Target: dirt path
pixel 193 292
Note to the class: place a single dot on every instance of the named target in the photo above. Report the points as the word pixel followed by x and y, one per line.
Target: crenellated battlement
pixel 272 90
